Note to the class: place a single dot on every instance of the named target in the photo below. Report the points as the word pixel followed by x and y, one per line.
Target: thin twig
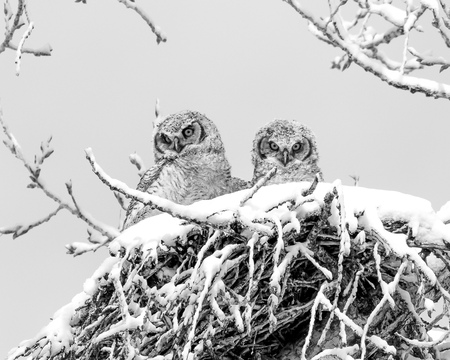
pixel 16 150
pixel 157 202
pixel 364 51
pixel 259 184
pixel 20 230
pixel 160 37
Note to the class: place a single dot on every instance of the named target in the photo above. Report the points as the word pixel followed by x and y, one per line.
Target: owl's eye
pixel 188 132
pixel 297 146
pixel 165 138
pixel 273 146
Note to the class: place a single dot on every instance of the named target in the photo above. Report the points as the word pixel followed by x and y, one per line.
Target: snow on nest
pixel 363 208
pixel 393 205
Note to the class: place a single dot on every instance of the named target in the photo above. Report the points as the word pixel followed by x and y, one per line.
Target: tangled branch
pixel 363 39
pixel 14 21
pixel 183 287
pixel 34 169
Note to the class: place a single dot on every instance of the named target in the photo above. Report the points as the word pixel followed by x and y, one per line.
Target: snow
pixel 292 253
pixel 150 233
pixel 391 13
pixel 58 331
pixel 274 209
pixel 431 4
pixel 444 213
pixel 379 342
pixel 395 242
pixel 344 353
pixel 429 304
pixel 435 263
pixel 136 160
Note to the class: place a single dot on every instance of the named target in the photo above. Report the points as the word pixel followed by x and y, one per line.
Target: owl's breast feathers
pixel 304 171
pixel 185 180
pixel 205 178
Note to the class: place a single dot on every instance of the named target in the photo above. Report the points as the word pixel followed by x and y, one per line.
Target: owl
pixel 190 164
pixel 290 147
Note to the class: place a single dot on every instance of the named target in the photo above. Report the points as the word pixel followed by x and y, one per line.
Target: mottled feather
pixel 190 164
pixel 290 147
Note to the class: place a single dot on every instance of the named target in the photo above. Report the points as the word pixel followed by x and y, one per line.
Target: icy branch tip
pixel 157 108
pixel 90 155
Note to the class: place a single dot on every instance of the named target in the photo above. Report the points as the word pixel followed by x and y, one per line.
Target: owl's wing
pixel 145 182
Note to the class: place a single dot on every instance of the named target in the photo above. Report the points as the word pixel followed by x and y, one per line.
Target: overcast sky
pixel 242 63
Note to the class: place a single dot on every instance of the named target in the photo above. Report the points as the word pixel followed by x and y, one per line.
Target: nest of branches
pixel 297 282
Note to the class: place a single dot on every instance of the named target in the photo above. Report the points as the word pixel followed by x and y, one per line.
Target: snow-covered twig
pixel 374 339
pixel 387 295
pixel 325 213
pixel 363 48
pixel 259 184
pixel 349 301
pixel 317 302
pixel 312 187
pixel 182 212
pixel 36 182
pixel 17 24
pixel 46 50
pixel 160 37
pixel 407 299
pixel 20 47
pixel 20 229
pixel 137 161
pixel 344 249
pixel 128 321
pixel 9 31
pixel 426 344
pixel 164 205
pixel 344 353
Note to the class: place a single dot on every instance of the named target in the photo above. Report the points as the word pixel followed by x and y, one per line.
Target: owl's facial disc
pixel 302 149
pixel 285 155
pixel 177 140
pixel 166 142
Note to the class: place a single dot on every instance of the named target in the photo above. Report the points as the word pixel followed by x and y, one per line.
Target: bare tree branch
pixel 36 182
pixel 10 30
pixel 160 37
pixel 20 229
pixel 362 48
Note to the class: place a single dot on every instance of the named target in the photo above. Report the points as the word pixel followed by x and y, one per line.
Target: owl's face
pixel 284 151
pixel 186 132
pixel 176 139
pixel 290 147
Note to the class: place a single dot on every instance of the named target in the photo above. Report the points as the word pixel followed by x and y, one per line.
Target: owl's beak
pixel 176 145
pixel 284 157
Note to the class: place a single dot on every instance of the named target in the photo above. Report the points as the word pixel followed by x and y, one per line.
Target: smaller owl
pixel 290 147
pixel 190 164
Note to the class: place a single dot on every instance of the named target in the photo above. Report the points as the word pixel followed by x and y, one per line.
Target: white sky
pixel 242 63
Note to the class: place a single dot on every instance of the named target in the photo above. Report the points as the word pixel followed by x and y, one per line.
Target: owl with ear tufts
pixel 190 164
pixel 290 147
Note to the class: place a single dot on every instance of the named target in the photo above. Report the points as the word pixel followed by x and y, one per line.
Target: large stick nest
pixel 263 283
